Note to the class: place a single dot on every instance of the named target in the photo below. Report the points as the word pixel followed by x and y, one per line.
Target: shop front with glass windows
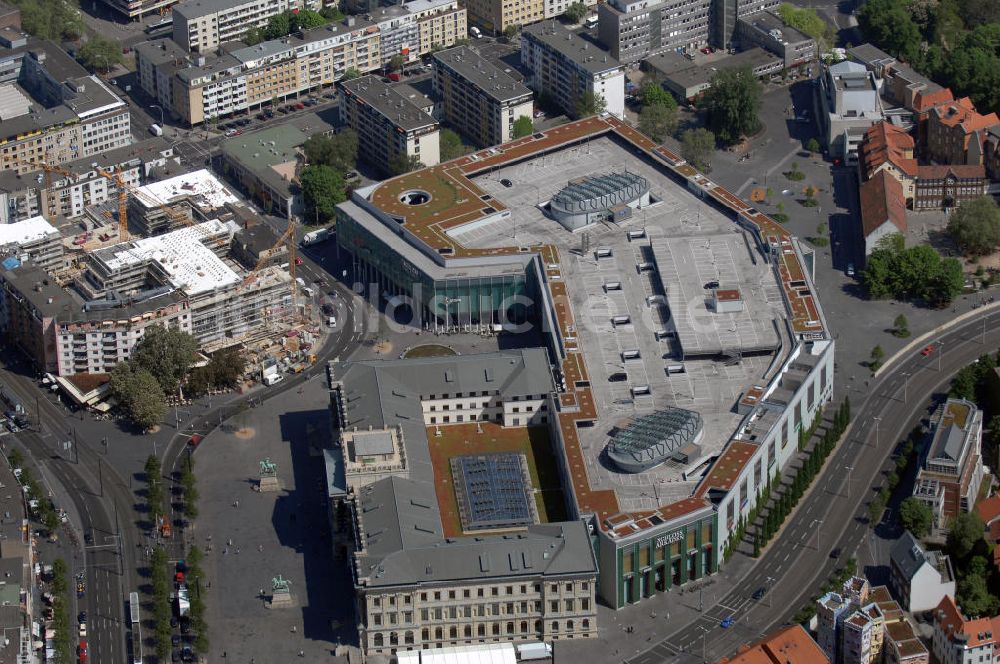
pixel 640 559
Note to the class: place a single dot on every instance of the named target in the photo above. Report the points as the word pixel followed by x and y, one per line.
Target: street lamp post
pixel 877 420
pixel 159 108
pixel 849 469
pixel 906 380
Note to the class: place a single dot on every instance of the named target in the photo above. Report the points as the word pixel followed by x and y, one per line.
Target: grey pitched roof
pixel 908 555
pixel 954 439
pixel 404 544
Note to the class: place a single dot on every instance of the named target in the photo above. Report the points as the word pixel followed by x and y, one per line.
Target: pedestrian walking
pixel 302 653
pixel 295 628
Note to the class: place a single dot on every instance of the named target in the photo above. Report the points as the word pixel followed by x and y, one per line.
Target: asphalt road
pixel 833 514
pixel 351 329
pixel 102 501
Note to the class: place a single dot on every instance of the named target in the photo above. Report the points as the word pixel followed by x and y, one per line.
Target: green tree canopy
pixel 890 24
pixel 967 530
pixel 511 31
pixel 323 189
pixel 165 353
pixel 697 146
pixel 351 72
pixel 975 226
pixel 100 54
pixel 402 163
pixel 894 270
pixel 653 94
pixel 916 516
pixel 451 145
pixel 805 19
pixel 138 394
pixel 338 151
pixel 658 121
pixel 589 104
pixel 575 12
pixel 732 104
pixel 973 593
pixel 396 63
pixel 55 20
pixel 523 127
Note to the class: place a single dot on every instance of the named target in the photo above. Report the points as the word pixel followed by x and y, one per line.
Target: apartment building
pixel 495 16
pixel 565 66
pixel 202 25
pixel 440 23
pixel 33 241
pixel 204 87
pixel 79 183
pixel 918 577
pixel 956 132
pixel 57 112
pixel 769 32
pixel 958 640
pixel 903 645
pixel 952 471
pixel 391 129
pixel 634 29
pixel 479 98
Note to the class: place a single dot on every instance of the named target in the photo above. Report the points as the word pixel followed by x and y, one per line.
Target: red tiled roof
pixel 989 509
pixel 792 645
pixel 963 112
pixel 882 200
pixel 887 143
pixel 925 101
pixel 978 632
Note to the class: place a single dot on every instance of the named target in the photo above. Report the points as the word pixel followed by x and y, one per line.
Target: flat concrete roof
pixel 394 107
pixel 201 185
pixel 705 246
pixel 262 151
pixel 23 232
pixel 587 55
pixel 458 222
pixel 483 74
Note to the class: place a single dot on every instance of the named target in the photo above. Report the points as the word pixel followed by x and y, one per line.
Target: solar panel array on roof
pixel 493 491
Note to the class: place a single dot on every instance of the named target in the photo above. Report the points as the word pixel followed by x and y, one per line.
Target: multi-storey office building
pixel 202 25
pixel 57 112
pixel 80 183
pixel 952 472
pixel 478 98
pixel 495 16
pixel 450 243
pixel 634 29
pixel 566 67
pixel 136 9
pixel 196 89
pixel 391 129
pixel 768 31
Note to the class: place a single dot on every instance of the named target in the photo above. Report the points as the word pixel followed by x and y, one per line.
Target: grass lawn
pixel 429 350
pixel 533 442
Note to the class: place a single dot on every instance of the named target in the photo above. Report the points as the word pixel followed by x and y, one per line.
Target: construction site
pixel 184 252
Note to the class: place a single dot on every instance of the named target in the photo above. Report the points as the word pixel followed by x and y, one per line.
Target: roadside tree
pixel 697 146
pixel 166 354
pixel 975 226
pixel 323 189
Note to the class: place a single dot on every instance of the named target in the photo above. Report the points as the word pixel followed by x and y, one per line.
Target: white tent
pixel 495 653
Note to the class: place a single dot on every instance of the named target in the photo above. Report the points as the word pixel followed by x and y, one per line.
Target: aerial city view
pixel 500 331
